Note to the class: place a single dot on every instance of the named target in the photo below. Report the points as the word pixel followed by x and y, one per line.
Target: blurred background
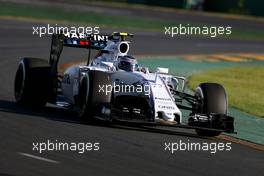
pixel 236 61
pixel 245 7
pixel 232 60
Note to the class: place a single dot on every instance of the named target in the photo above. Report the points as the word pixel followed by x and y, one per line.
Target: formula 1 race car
pixel 113 87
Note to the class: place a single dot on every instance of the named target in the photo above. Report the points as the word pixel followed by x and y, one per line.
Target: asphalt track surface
pixel 123 150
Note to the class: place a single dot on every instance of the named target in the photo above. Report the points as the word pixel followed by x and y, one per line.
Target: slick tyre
pixel 33 82
pixel 213 100
pixel 85 112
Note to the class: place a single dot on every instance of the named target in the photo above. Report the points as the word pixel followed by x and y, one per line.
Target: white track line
pixel 38 158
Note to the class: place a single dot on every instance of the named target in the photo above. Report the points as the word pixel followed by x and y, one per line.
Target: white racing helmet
pixel 127 63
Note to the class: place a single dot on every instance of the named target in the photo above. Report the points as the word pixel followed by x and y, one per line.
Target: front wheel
pixel 212 99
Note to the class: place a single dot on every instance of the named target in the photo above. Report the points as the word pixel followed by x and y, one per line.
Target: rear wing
pixel 80 40
pixel 91 41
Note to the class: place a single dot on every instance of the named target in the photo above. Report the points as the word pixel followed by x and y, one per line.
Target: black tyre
pixel 85 112
pixel 213 99
pixel 33 82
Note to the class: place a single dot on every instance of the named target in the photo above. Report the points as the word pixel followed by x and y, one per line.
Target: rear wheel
pixel 33 82
pixel 213 99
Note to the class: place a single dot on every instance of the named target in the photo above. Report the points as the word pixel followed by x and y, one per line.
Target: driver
pixel 127 63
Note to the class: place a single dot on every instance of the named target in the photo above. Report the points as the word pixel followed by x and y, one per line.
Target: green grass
pixel 244 86
pixel 106 20
pixel 53 13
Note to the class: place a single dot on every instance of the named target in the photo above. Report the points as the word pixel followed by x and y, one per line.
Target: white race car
pixel 113 87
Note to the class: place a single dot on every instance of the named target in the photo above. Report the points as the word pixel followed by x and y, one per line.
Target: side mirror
pixel 162 70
